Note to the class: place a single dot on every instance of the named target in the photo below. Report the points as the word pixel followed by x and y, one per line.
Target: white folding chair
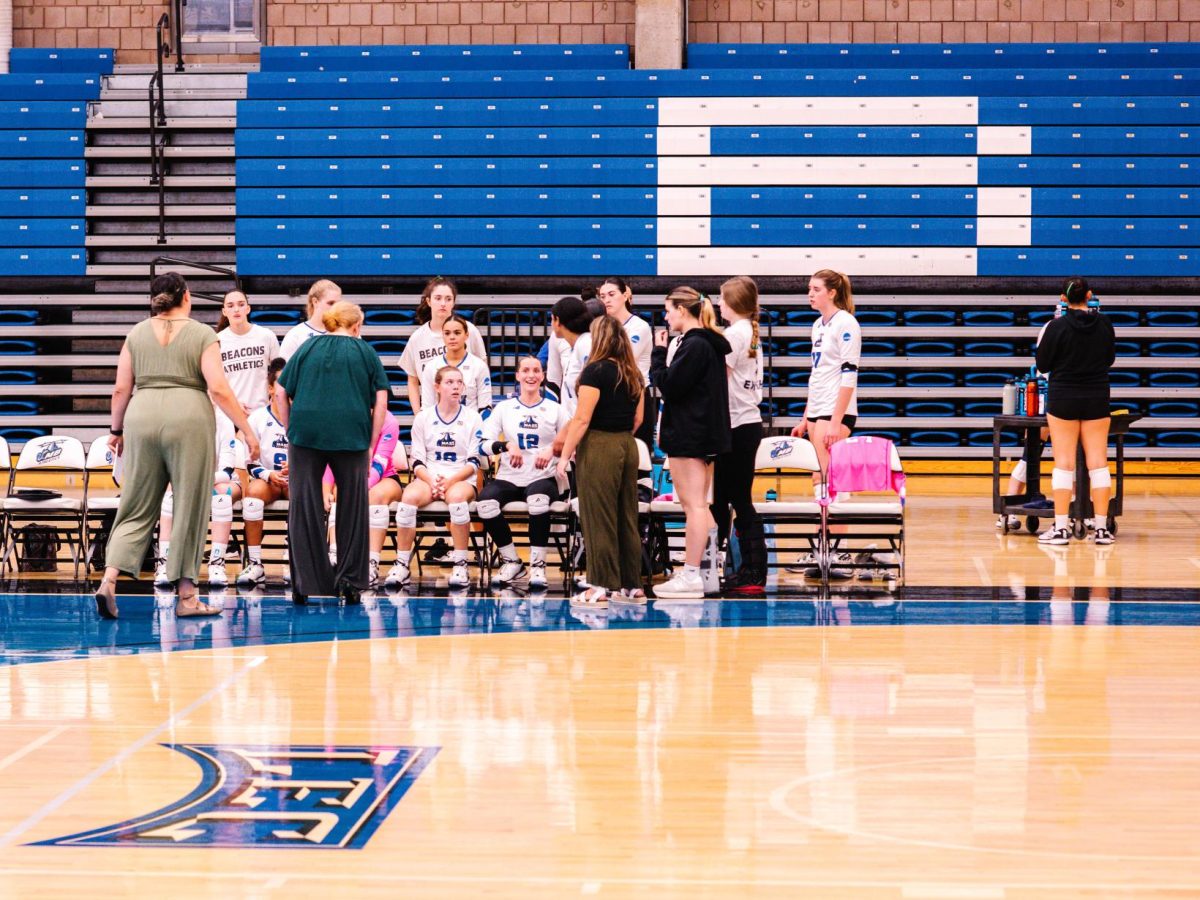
pixel 796 520
pixel 48 454
pixel 869 519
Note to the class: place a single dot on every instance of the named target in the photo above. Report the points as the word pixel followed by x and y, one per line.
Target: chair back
pixel 99 456
pixel 52 451
pixel 5 455
pixel 786 453
pixel 866 463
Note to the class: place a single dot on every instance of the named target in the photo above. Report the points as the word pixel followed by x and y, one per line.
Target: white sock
pixel 218 553
pixel 1062 522
pixel 375 557
pixel 509 553
pixel 691 573
pixel 458 557
pixel 164 547
pixel 1101 522
pixel 404 557
pixel 254 551
pixel 537 554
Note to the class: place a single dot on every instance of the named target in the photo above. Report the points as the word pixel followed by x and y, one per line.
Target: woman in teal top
pixel 333 396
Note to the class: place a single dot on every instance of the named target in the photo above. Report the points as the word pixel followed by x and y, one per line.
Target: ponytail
pixel 840 285
pixel 696 304
pixel 166 292
pixel 740 294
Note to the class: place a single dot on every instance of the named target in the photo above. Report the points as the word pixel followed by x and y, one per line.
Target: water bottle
pixel 1094 305
pixel 1031 397
pixel 1020 386
pixel 772 495
pixel 1008 401
pixel 1043 387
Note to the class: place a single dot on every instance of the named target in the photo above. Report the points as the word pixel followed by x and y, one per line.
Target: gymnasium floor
pixel 1013 722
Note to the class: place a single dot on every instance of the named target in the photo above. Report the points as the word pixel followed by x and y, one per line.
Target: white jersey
pixel 573 365
pixel 477 380
pixel 836 349
pixel 231 456
pixel 293 340
pixel 272 438
pixel 425 343
pixel 557 353
pixel 245 358
pixel 445 447
pixel 745 375
pixel 529 427
pixel 642 337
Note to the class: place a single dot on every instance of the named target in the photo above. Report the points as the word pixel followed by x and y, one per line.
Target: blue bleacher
pixel 506 261
pixel 86 60
pixel 558 141
pixel 43 87
pixel 465 231
pixel 397 58
pixel 22 202
pixel 1099 108
pixel 454 201
pixel 447 113
pixel 840 232
pixel 438 171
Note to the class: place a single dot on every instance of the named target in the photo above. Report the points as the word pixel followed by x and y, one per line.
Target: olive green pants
pixel 606 479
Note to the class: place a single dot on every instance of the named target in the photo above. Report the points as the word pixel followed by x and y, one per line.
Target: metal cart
pixel 1081 507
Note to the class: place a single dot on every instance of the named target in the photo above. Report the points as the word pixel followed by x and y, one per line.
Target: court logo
pixel 302 797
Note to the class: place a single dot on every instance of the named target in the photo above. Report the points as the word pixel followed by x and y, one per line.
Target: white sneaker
pixel 509 572
pixel 1103 536
pixel 681 587
pixel 217 576
pixel 160 574
pixel 1008 523
pixel 253 574
pixel 1056 537
pixel 372 573
pixel 839 567
pixel 460 576
pixel 398 576
pixel 537 576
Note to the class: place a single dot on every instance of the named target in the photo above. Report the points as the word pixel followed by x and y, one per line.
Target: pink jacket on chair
pixel 863 464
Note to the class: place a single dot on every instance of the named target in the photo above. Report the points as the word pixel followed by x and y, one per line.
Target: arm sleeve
pixel 851 353
pixel 475 343
pixel 483 387
pixel 288 347
pixel 489 433
pixel 408 359
pixel 381 462
pixel 553 367
pixel 417 436
pixel 1046 349
pixel 686 369
pixel 426 380
pixel 476 425
pixel 1111 355
pixel 272 347
pixel 379 379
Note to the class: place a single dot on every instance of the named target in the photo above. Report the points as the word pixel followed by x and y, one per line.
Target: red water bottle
pixel 1031 398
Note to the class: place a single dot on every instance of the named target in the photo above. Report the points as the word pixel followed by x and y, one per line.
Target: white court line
pixel 19 829
pixel 30 747
pixel 984 578
pixel 1195 561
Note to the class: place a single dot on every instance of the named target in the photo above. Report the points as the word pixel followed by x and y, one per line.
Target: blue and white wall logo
pixel 301 797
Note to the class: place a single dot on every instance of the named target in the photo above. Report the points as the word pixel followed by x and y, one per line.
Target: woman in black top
pixel 609 410
pixel 1077 350
pixel 695 429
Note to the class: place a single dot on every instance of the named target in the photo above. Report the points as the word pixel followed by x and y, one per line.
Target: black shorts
pixel 1079 406
pixel 395 476
pixel 847 420
pixel 504 492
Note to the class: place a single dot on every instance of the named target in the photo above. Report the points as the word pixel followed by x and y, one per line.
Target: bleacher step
pixel 116 109
pixel 142 151
pixel 129 270
pixel 140 94
pixel 171 181
pixel 151 240
pixel 144 210
pixel 177 123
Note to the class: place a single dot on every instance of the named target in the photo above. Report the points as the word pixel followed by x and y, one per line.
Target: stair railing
pixel 158 119
pixel 177 21
pixel 168 261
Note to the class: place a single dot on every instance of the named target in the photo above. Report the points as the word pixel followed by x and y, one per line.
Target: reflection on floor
pixel 43 626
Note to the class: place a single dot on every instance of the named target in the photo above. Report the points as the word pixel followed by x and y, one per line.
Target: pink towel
pixel 863 464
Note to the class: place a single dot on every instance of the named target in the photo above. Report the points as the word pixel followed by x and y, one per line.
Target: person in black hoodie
pixel 1077 350
pixel 695 429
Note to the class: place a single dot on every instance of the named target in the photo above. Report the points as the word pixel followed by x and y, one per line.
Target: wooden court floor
pixel 775 755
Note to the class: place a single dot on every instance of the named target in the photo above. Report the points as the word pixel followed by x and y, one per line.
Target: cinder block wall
pixel 128 25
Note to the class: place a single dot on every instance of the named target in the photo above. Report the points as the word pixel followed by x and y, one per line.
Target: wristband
pixel 116 432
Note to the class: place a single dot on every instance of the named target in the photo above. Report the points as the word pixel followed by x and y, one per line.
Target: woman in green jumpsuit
pixel 174 363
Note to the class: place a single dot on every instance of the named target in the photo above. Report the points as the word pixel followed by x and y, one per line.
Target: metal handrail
pixel 158 119
pixel 208 267
pixel 178 6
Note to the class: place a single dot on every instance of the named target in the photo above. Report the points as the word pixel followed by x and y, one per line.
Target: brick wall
pixel 128 25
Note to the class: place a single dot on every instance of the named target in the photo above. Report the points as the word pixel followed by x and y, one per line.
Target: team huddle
pixel 476 453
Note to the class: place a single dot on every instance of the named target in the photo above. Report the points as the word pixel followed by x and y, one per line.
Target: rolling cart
pixel 1081 507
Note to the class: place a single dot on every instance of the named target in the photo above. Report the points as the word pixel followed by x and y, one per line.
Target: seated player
pixel 268 478
pixel 477 379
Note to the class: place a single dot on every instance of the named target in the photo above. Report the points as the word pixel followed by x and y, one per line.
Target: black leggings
pixel 504 492
pixel 733 481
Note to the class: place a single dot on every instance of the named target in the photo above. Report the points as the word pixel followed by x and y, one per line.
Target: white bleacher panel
pixel 998 231
pixel 1004 139
pixel 718 261
pixel 818 111
pixel 686 141
pixel 685 231
pixel 684 201
pixel 1004 201
pixel 817 170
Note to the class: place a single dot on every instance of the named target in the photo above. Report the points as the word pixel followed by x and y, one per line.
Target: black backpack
pixel 38 549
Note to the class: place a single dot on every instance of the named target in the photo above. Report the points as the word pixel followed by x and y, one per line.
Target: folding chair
pixel 99 511
pixel 48 454
pixel 865 464
pixel 516 514
pixel 791 461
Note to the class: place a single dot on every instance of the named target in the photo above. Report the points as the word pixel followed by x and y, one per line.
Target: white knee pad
pixel 1062 479
pixel 406 515
pixel 168 505
pixel 252 509
pixel 222 508
pixel 377 516
pixel 539 504
pixel 1021 471
pixel 332 513
pixel 220 476
pixel 460 513
pixel 1100 478
pixel 488 509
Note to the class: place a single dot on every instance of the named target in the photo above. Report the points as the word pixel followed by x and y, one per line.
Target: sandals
pixel 593 597
pixel 631 595
pixel 189 607
pixel 106 603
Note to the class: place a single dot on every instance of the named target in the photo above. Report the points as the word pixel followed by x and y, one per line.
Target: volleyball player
pixel 445 438
pixel 477 379
pixel 246 352
pixel 528 423
pixel 268 479
pixel 617 297
pixel 321 297
pixel 437 305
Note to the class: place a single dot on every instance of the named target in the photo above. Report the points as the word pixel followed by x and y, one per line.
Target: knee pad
pixel 252 509
pixel 1099 478
pixel 332 513
pixel 460 513
pixel 168 505
pixel 488 509
pixel 406 515
pixel 1021 472
pixel 222 508
pixel 1062 479
pixel 221 476
pixel 377 516
pixel 539 504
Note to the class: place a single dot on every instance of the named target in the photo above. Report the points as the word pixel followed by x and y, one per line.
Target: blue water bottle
pixel 772 495
pixel 1042 387
pixel 1021 395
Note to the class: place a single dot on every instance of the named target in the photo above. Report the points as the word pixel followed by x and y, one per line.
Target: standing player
pixel 268 479
pixel 477 379
pixel 321 297
pixel 617 298
pixel 445 437
pixel 529 423
pixel 437 305
pixel 246 352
